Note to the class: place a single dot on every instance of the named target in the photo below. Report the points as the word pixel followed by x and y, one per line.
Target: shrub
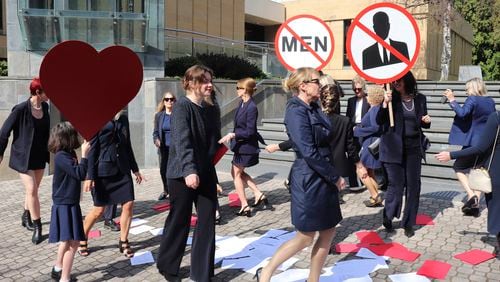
pixel 224 66
pixel 3 68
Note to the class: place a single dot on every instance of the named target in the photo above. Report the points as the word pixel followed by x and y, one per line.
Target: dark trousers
pixel 401 176
pixel 173 242
pixel 110 212
pixel 163 167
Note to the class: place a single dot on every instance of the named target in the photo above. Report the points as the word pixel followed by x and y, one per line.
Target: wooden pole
pixel 391 114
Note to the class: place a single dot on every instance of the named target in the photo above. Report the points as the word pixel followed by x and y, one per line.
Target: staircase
pixel 273 129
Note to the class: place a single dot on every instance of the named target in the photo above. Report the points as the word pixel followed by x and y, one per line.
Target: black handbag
pixel 373 147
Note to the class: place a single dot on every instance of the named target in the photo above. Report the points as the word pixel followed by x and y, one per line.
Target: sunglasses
pixel 169 99
pixel 240 88
pixel 357 89
pixel 316 81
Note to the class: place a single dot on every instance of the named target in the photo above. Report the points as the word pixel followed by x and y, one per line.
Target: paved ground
pixel 452 234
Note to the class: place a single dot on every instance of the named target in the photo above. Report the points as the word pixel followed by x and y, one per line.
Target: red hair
pixel 35 85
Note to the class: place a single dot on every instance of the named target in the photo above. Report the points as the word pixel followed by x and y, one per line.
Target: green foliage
pixel 224 66
pixel 3 68
pixel 483 15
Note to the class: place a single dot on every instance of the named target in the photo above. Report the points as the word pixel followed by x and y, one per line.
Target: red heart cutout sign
pixel 90 87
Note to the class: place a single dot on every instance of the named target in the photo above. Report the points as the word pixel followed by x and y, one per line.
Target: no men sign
pixel 304 41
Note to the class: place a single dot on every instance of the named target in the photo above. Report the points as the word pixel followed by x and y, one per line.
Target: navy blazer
pixel 245 129
pixel 158 131
pixel 470 120
pixel 111 150
pixel 391 140
pixel 351 108
pixel 68 175
pixel 20 121
pixel 342 145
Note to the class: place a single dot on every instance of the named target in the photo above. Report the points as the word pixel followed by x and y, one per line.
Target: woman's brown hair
pixel 195 74
pixel 63 136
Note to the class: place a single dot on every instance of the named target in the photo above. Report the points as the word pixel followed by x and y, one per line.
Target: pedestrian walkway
pixel 451 234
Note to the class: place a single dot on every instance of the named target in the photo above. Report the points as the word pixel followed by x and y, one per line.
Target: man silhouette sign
pixel 377 55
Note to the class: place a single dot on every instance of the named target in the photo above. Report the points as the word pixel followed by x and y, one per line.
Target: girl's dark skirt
pixel 66 223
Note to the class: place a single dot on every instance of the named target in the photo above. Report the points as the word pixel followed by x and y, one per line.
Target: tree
pixel 441 11
pixel 484 16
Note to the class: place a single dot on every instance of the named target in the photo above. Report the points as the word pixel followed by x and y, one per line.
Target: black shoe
pixel 163 196
pixel 262 201
pixel 387 223
pixel 245 211
pixel 171 277
pixel 217 220
pixel 409 232
pixel 26 220
pixel 56 275
pixel 466 209
pixel 111 225
pixel 37 232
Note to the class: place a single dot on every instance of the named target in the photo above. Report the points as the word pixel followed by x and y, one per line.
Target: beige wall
pixel 224 18
pixel 428 65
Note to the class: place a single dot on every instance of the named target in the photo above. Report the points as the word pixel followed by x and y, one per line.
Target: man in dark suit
pixel 357 107
pixel 376 55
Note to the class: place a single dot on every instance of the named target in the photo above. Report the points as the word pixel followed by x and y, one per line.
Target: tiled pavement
pixel 452 234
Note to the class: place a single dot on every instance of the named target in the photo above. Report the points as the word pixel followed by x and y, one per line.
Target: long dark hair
pixel 63 136
pixel 410 83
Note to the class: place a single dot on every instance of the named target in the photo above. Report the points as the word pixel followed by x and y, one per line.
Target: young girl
pixel 66 224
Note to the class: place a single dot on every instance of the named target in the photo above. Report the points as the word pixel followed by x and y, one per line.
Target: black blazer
pixel 351 108
pixel 111 150
pixel 20 121
pixel 391 140
pixel 372 59
pixel 245 129
pixel 344 151
pixel 158 124
pixel 191 142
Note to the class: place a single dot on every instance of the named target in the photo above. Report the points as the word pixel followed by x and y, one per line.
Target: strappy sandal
pixel 125 249
pixel 374 202
pixel 83 249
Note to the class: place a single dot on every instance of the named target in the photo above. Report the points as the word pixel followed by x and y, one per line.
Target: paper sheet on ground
pixel 137 221
pixel 408 277
pixel 140 229
pixel 291 275
pixel 142 258
pixel 156 231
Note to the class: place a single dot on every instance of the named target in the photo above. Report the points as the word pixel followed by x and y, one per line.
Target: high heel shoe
pixel 466 209
pixel 37 232
pixel 125 249
pixel 262 199
pixel 26 221
pixel 257 274
pixel 245 211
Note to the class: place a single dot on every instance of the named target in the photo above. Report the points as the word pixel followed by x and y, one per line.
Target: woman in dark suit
pixel 111 159
pixel 162 137
pixel 484 150
pixel 314 181
pixel 30 123
pixel 191 179
pixel 245 145
pixel 401 151
pixel 368 131
pixel 466 129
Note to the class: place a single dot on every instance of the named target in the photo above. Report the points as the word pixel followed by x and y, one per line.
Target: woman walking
pixel 314 182
pixel 468 124
pixel 30 123
pixel 401 150
pixel 111 159
pixel 245 145
pixel 191 179
pixel 162 137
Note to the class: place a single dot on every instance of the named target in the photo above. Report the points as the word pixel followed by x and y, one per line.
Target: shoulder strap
pixel 494 145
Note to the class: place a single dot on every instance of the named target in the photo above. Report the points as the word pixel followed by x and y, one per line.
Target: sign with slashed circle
pixel 383 42
pixel 304 41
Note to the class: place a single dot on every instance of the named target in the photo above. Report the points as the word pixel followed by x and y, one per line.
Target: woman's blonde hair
pixel 248 84
pixel 296 78
pixel 360 80
pixel 161 104
pixel 476 87
pixel 375 95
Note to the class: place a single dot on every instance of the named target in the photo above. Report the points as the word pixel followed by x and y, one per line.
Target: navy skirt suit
pixel 484 150
pixel 468 124
pixel 369 131
pixel 314 194
pixel 401 157
pixel 246 142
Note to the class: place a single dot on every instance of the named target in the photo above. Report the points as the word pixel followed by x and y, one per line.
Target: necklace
pixel 408 109
pixel 36 108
